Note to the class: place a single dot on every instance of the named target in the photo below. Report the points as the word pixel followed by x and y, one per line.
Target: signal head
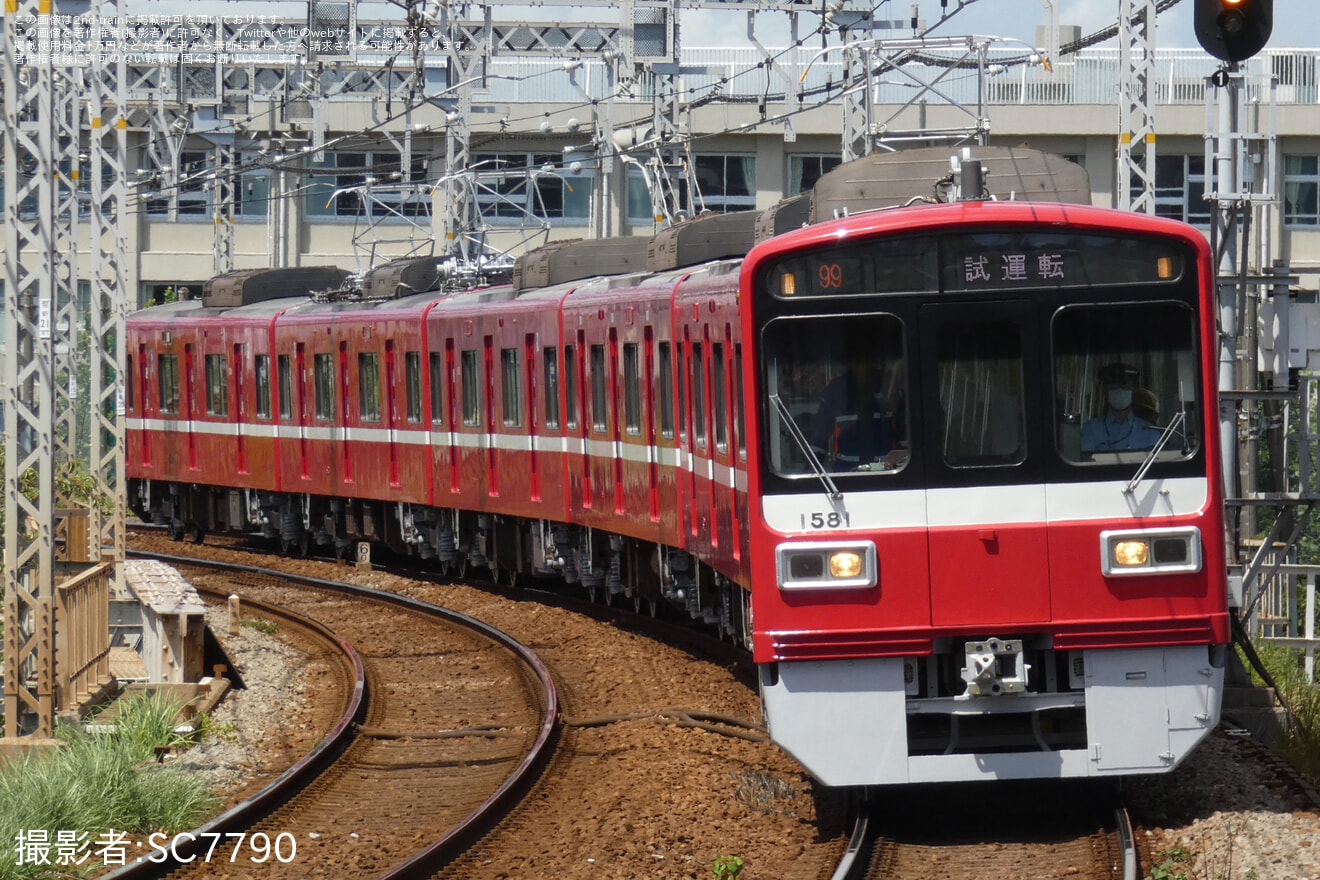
pixel 1233 30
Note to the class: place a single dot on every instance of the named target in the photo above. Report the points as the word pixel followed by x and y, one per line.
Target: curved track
pixel 452 719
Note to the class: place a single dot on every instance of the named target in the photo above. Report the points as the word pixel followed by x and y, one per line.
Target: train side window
pixel 166 371
pixel 551 358
pixel 741 423
pixel 511 375
pixel 262 364
pixel 666 392
pixel 412 382
pixel 571 385
pixel 719 398
pixel 632 391
pixel 699 396
pixel 323 377
pixel 217 385
pixel 285 368
pixel 369 386
pixel 437 386
pixel 600 415
pixel 471 374
pixel 128 385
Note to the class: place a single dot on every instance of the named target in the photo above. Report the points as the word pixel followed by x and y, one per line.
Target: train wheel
pixel 653 607
pixel 177 531
pixel 592 590
pixel 198 534
pixel 305 544
pixel 637 603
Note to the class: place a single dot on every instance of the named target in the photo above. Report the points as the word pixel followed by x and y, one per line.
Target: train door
pixel 346 457
pixel 985 497
pixel 648 419
pixel 530 398
pixel 189 401
pixel 304 466
pixel 492 455
pixel 584 424
pixel 615 407
pixel 240 408
pixel 391 414
pixel 452 401
pixel 144 408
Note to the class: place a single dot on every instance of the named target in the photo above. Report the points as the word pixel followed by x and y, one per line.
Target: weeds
pixel 762 791
pixel 1174 865
pixel 727 868
pixel 1299 742
pixel 99 782
pixel 259 625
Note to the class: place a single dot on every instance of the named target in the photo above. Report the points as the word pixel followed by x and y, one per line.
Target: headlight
pixel 1156 551
pixel 810 565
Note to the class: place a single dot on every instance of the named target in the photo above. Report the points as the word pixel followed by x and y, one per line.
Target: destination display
pixel 991 261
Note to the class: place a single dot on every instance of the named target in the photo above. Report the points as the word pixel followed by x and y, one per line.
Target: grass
pixel 99 782
pixel 1299 743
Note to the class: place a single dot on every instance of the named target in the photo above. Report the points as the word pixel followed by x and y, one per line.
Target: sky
pixel 1296 22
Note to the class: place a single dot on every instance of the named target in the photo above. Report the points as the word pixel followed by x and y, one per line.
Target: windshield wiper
pixel 796 433
pixel 1154 451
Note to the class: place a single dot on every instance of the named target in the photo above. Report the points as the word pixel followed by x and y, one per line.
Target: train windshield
pixel 842 381
pixel 1125 376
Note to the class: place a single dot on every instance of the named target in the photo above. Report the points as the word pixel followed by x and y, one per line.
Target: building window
pixel 512 387
pixel 551 356
pixel 167 369
pixel 194 198
pixel 323 369
pixel 437 382
pixel 471 370
pixel 600 417
pixel 369 386
pixel 1180 189
pixel 286 386
pixel 521 186
pixel 726 182
pixel 1301 182
pixel 263 386
pixel 217 385
pixel 804 171
pixel 345 169
pixel 632 392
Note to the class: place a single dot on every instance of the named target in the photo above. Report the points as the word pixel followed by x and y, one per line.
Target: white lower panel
pixel 841 719
pixel 1067 764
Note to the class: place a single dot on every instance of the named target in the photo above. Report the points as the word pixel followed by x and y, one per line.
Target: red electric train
pixel 949 470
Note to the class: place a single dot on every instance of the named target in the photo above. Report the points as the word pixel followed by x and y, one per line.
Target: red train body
pixel 955 581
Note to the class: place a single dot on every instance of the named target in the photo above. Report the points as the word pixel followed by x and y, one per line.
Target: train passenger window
pixel 571 385
pixel 471 374
pixel 128 385
pixel 1124 376
pixel 666 392
pixel 369 386
pixel 323 375
pixel 600 413
pixel 983 417
pixel 741 422
pixel 699 396
pixel 437 384
pixel 284 365
pixel 167 369
pixel 837 393
pixel 512 387
pixel 217 385
pixel 262 363
pixel 721 409
pixel 412 382
pixel 551 358
pixel 632 389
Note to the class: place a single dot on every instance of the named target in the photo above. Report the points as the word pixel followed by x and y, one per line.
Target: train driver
pixel 852 429
pixel 1119 428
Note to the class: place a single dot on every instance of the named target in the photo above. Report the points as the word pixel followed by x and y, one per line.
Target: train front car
pixel 987 530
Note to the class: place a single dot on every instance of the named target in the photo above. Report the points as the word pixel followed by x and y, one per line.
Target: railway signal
pixel 1233 30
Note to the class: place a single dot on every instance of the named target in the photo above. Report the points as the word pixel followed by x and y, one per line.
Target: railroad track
pixel 447 722
pixel 937 836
